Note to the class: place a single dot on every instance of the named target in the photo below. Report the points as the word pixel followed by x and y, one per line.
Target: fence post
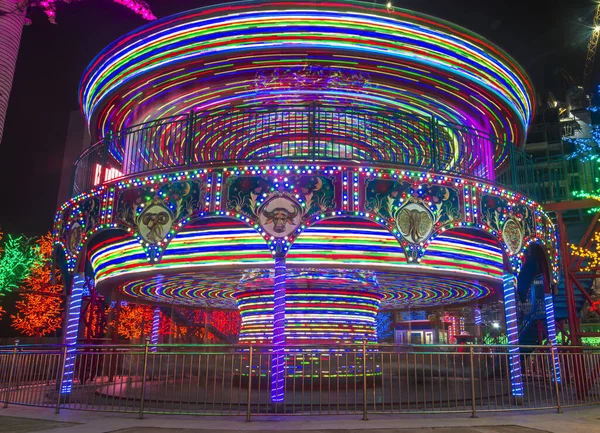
pixel 191 132
pixel 513 167
pixel 59 379
pixel 433 133
pixel 312 140
pixel 555 373
pixel 144 369
pixel 472 363
pixel 364 377
pixel 249 385
pixel 105 144
pixel 11 373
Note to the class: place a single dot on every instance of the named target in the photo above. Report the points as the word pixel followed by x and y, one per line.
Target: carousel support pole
pixel 477 314
pixel 155 328
pixel 512 332
pixel 72 331
pixel 551 329
pixel 278 361
pixel 574 328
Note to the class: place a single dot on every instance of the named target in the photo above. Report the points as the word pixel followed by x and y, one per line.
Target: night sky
pixel 52 59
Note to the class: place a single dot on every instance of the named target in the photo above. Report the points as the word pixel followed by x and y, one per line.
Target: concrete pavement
pixel 580 420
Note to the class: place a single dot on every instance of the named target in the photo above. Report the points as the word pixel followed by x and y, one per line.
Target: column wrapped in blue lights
pixel 72 330
pixel 278 363
pixel 155 324
pixel 551 327
pixel 512 332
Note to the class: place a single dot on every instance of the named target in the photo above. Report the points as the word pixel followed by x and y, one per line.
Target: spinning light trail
pixel 307 164
pixel 248 56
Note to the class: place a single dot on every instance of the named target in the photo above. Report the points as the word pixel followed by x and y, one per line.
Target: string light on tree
pixel 39 307
pixel 586 148
pixel 16 262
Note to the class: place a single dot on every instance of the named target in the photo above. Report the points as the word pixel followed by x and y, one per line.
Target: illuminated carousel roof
pixel 249 56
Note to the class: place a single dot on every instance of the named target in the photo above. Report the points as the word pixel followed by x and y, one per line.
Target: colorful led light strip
pixel 321 306
pixel 465 250
pixel 256 309
pixel 334 243
pixel 551 327
pixel 344 242
pixel 207 289
pixel 418 291
pixel 354 54
pixel 209 245
pixel 512 333
pixel 217 289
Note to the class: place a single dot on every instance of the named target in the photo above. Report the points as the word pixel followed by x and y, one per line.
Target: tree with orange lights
pixel 590 263
pixel 39 307
pixel 133 319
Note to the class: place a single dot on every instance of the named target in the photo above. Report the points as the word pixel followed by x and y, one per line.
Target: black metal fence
pixel 359 380
pixel 306 134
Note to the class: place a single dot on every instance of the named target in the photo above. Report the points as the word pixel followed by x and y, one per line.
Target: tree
pixel 39 307
pixel 17 259
pixel 384 326
pixel 134 320
pixel 590 262
pixel 12 20
pixel 591 256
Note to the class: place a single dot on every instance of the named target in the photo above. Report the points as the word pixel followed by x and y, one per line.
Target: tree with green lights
pixel 17 258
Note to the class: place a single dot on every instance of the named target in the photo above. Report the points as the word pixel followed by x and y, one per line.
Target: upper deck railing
pixel 308 134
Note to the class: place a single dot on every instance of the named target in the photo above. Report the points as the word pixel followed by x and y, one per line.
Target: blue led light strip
pixel 551 327
pixel 73 316
pixel 512 332
pixel 155 323
pixel 278 363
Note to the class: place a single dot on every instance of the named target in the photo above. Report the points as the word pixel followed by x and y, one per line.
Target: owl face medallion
pixel 414 222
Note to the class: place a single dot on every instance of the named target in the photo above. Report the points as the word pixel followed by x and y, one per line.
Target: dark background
pixel 544 36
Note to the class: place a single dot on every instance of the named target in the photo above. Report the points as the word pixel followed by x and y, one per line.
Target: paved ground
pixel 17 419
pixel 26 425
pixel 490 429
pixel 493 429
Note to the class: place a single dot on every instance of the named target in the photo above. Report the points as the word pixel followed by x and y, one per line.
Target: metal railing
pixel 558 177
pixel 307 134
pixel 359 380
